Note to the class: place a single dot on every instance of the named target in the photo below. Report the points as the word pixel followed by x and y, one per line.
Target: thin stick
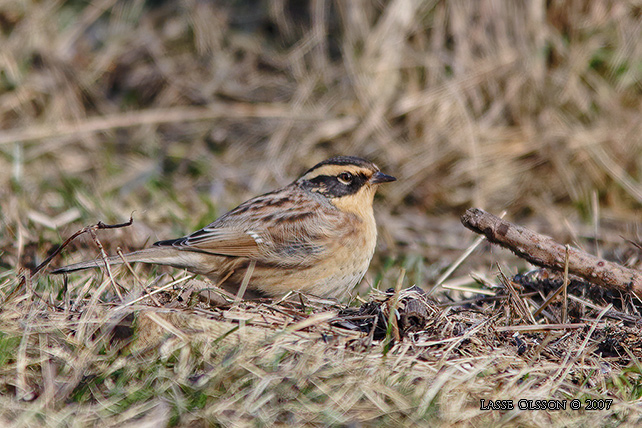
pixel 246 281
pixel 541 327
pixel 595 203
pixel 393 326
pixel 103 254
pixel 459 261
pixel 592 330
pixel 158 290
pixel 456 264
pixel 548 300
pixel 24 278
pixel 469 289
pixel 310 321
pixel 471 330
pixel 565 286
pixel 613 314
pixel 86 229
pixel 131 270
pixel 482 299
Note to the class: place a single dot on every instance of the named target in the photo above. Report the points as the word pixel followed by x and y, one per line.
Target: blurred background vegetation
pixel 181 110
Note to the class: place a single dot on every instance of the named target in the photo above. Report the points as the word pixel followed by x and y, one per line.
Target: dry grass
pixel 180 111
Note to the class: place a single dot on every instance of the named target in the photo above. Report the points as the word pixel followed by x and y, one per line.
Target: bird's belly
pixel 330 277
pixel 326 280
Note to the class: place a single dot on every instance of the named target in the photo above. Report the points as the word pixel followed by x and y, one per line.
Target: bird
pixel 316 235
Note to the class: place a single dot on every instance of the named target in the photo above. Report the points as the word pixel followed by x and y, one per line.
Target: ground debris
pixel 414 310
pixel 584 296
pixel 433 332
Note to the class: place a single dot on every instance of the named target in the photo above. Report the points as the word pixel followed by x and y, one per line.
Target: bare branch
pixel 542 250
pixel 86 229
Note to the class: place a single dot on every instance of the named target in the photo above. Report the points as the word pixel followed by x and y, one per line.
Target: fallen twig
pixel 542 250
pixel 541 327
pixel 28 276
pixel 87 229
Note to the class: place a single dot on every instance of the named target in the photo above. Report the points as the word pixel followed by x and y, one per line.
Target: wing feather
pixel 284 237
pixel 223 241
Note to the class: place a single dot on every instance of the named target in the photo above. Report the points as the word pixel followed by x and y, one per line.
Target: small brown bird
pixel 316 235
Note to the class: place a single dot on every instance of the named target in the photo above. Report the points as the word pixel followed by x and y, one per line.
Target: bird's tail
pixel 159 256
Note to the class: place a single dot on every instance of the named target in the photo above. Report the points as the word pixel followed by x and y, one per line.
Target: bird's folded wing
pixel 219 241
pixel 285 247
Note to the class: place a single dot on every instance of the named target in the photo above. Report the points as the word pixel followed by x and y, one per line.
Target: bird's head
pixel 348 182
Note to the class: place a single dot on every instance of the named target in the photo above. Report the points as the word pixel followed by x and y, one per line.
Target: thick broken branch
pixel 542 250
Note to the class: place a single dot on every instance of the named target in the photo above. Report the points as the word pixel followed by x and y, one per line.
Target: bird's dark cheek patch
pixel 331 187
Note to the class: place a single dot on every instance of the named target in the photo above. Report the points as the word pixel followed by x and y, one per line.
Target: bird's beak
pixel 379 177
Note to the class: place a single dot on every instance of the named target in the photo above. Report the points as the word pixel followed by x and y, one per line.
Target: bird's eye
pixel 345 178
